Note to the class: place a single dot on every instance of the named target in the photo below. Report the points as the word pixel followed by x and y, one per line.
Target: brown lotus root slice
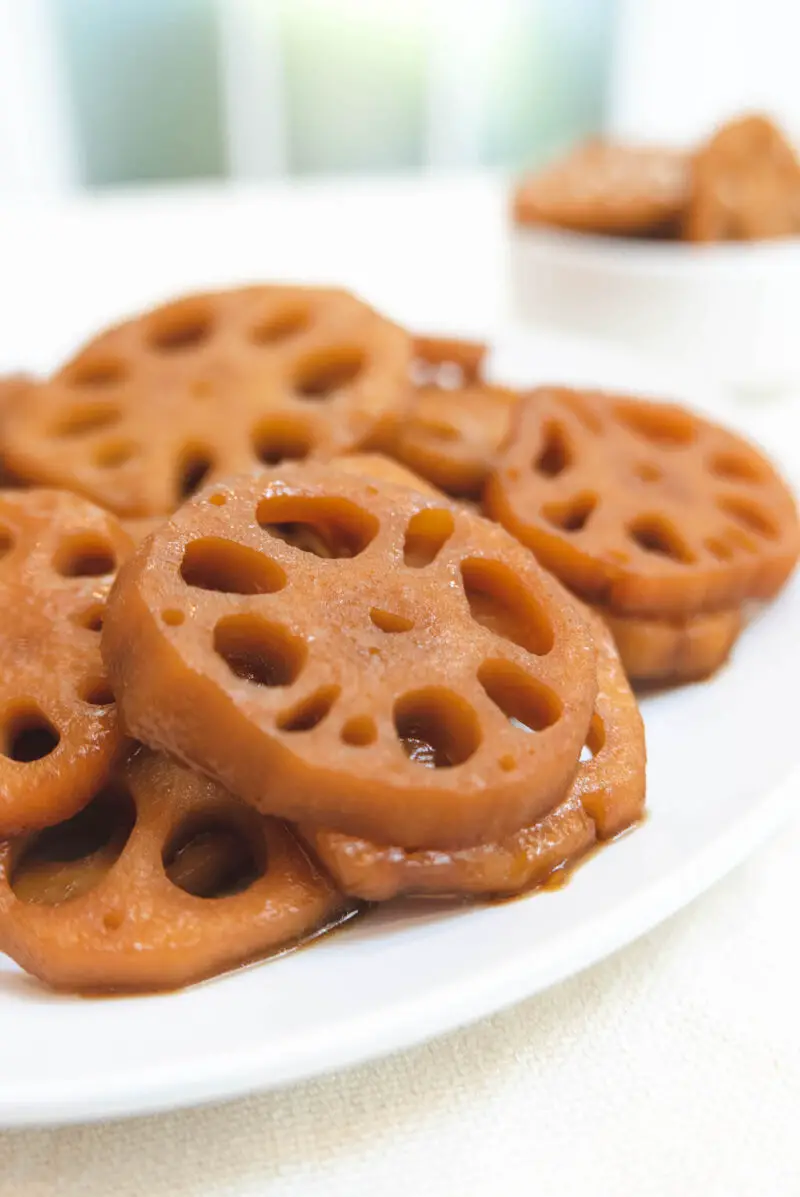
pixel 745 185
pixel 351 653
pixel 207 386
pixel 455 421
pixel 163 880
pixel 59 736
pixel 451 436
pixel 672 652
pixel 643 508
pixel 606 796
pixel 603 187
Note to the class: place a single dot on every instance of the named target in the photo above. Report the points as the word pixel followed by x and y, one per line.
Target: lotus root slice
pixel 163 880
pixel 347 652
pixel 643 508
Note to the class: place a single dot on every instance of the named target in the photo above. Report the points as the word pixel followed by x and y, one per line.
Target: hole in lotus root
pixel 426 535
pixel 86 418
pixel 97 692
pixel 114 454
pixel 259 652
pixel 172 617
pixel 387 621
pixel 573 514
pixel 218 500
pixel 719 548
pixel 213 563
pixel 181 326
pixel 26 734
pixel 738 538
pixel 309 712
pixel 734 467
pixel 658 535
pixel 669 427
pixel 280 326
pixel 70 859
pixel 327 527
pixel 555 455
pixel 91 618
pixel 113 920
pixel 749 516
pixel 96 372
pixel 212 858
pixel 359 732
pixel 595 739
pixel 525 702
pixel 6 542
pixel 500 602
pixel 278 440
pixel 193 468
pixel 436 727
pixel 322 374
pixel 84 555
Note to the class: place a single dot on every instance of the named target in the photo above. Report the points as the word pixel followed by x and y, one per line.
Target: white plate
pixel 721 759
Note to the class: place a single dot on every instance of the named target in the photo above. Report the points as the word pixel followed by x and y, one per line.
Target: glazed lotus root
pixel 643 508
pixel 59 737
pixel 455 422
pixel 207 386
pixel 745 185
pixel 164 879
pixel 314 641
pixel 606 796
pixel 670 652
pixel 602 187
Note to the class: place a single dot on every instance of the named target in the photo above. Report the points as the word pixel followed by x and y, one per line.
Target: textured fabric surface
pixel 672 1068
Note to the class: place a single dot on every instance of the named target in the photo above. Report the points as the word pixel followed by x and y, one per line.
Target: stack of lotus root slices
pixel 742 184
pixel 303 614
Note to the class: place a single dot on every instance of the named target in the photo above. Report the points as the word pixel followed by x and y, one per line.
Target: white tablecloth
pixel 672 1068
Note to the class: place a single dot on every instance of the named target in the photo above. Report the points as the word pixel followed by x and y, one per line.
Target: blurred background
pixel 99 93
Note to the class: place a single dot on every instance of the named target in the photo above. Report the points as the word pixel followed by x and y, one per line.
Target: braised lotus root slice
pixel 671 652
pixel 745 185
pixel 59 736
pixel 606 796
pixel 163 880
pixel 455 420
pixel 354 654
pixel 451 435
pixel 207 386
pixel 603 187
pixel 643 508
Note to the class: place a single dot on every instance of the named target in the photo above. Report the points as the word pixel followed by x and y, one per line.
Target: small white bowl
pixel 729 311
